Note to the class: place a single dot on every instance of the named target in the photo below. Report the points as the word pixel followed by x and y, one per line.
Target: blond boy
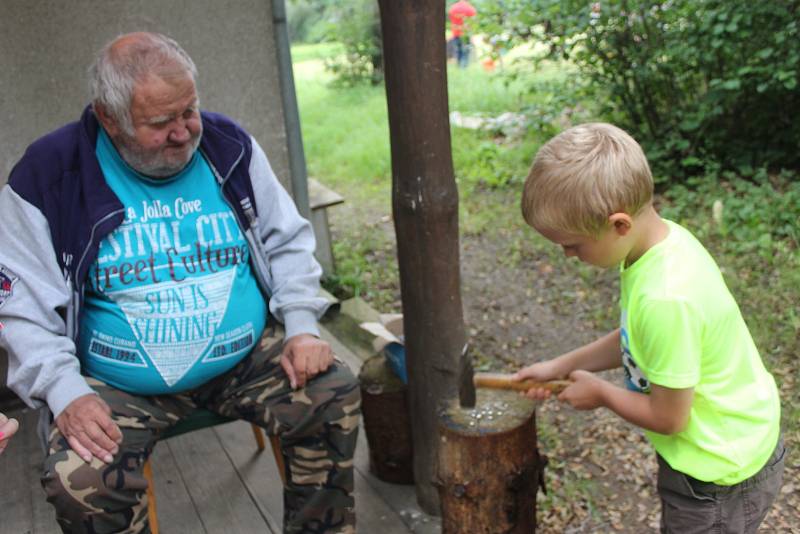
pixel 694 379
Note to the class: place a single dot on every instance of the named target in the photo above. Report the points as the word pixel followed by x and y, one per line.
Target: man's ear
pixel 621 223
pixel 109 124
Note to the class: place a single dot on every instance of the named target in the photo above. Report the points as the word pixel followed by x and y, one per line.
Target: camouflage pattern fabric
pixel 317 426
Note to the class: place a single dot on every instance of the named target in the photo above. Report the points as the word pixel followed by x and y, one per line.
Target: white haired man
pixel 146 248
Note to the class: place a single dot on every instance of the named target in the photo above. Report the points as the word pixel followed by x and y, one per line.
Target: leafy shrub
pixel 306 20
pixel 693 80
pixel 356 24
pixel 756 214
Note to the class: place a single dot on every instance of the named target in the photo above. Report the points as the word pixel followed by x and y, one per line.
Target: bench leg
pixel 152 513
pixel 259 436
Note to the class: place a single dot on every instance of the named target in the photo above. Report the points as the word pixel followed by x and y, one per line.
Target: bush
pixel 356 24
pixel 306 20
pixel 749 215
pixel 693 81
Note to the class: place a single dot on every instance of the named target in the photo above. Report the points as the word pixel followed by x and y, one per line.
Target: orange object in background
pixel 457 13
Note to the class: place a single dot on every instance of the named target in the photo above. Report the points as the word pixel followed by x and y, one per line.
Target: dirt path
pixel 601 473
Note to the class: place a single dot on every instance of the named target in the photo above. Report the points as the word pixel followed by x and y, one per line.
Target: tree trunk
pixel 489 466
pixel 425 207
pixel 384 404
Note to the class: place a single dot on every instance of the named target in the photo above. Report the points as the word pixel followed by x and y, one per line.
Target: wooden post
pixel 425 207
pixel 489 466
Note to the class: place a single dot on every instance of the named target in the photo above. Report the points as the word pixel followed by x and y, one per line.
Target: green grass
pixel 346 141
pixel 345 132
pixel 305 52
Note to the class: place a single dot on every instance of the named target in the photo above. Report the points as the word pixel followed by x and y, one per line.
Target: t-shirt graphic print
pixel 634 378
pixel 171 301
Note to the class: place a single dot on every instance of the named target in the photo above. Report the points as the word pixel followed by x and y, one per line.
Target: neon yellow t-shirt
pixel 681 328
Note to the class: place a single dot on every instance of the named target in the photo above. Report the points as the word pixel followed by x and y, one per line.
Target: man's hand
pixel 305 356
pixel 8 427
pixel 585 392
pixel 86 423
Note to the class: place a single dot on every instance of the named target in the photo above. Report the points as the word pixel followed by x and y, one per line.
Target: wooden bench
pixel 320 198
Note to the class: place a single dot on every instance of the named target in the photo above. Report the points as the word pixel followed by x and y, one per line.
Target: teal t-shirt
pixel 681 328
pixel 171 301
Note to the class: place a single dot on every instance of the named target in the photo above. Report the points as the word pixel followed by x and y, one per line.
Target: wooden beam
pixel 425 207
pixel 222 502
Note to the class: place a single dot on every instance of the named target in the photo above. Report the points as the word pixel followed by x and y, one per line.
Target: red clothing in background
pixel 457 13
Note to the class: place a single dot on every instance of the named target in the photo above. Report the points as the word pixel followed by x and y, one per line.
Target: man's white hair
pixel 115 72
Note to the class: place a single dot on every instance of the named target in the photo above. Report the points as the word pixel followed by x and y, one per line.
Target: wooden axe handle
pixel 505 381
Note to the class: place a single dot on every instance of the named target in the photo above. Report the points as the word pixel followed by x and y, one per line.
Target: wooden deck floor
pixel 211 481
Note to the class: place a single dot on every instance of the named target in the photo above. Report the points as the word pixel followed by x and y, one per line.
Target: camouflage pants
pixel 317 426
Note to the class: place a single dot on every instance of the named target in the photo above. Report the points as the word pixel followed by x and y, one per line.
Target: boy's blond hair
pixel 582 176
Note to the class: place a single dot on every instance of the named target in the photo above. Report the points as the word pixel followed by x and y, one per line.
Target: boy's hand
pixel 585 392
pixel 540 372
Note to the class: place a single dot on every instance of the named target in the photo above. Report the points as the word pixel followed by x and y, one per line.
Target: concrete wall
pixel 46 47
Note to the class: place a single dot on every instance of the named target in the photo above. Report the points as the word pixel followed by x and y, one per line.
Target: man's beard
pixel 154 165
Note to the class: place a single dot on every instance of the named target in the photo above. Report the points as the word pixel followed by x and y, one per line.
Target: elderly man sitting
pixel 146 247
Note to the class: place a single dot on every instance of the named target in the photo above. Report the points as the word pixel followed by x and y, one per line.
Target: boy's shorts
pixel 691 506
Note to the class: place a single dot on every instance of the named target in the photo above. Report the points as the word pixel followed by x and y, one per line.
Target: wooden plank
pixel 176 511
pixel 44 515
pixel 256 469
pixel 343 324
pixel 259 473
pixel 373 513
pixel 22 500
pixel 320 197
pixel 15 495
pixel 400 498
pixel 322 234
pixel 221 500
pixel 340 350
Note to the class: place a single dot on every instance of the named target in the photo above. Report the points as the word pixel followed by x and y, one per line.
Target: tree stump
pixel 384 405
pixel 489 466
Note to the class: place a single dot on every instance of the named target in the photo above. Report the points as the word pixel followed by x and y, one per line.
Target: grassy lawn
pixel 346 140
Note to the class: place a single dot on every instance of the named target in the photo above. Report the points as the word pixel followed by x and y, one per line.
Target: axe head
pixel 466 386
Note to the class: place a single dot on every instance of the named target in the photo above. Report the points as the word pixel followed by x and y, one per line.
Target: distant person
pixel 460 40
pixel 146 247
pixel 8 427
pixel 694 379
